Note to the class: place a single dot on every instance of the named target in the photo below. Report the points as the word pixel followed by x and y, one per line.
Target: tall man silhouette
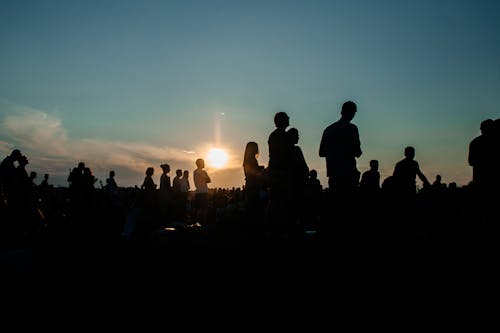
pixel 482 154
pixel 340 146
pixel 279 173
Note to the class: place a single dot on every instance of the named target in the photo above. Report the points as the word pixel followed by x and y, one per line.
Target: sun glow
pixel 217 158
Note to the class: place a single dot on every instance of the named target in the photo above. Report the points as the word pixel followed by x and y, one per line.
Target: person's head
pixel 165 168
pixel 81 165
pixel 46 176
pixel 111 174
pixel 281 120
pixel 374 165
pixel 150 171
pixel 33 174
pixel 251 151
pixel 410 152
pixel 185 174
pixel 487 126
pixel 349 109
pixel 293 135
pixel 313 174
pixel 23 161
pixel 438 178
pixel 16 154
pixel 178 172
pixel 200 163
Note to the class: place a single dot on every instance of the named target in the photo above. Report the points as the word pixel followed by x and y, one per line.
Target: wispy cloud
pixel 44 140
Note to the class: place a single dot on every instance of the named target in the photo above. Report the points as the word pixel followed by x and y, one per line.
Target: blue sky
pixel 131 84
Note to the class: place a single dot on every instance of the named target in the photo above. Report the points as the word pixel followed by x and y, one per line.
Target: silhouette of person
pixel 148 184
pixel 279 173
pixel 111 185
pixel 370 180
pixel 165 178
pixel 32 178
pixel 314 182
pixel 178 203
pixel 482 154
pixel 340 146
pixel 313 196
pixel 299 176
pixel 254 177
pixel 44 185
pixel 437 184
pixel 184 188
pixel 405 173
pixel 7 173
pixel 484 159
pixel 165 191
pixel 176 182
pixel 496 157
pixel 201 181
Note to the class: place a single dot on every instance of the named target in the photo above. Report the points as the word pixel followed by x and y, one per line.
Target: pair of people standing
pixel 288 174
pixel 340 145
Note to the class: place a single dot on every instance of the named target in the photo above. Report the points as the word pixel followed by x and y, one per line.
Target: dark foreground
pixel 242 264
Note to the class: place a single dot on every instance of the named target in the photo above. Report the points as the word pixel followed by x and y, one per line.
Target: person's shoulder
pixel 330 128
pixel 352 126
pixel 475 140
pixel 273 133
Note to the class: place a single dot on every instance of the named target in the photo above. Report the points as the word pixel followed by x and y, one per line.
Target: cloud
pixel 50 149
pixel 36 130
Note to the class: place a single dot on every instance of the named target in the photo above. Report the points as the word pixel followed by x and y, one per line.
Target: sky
pixel 125 84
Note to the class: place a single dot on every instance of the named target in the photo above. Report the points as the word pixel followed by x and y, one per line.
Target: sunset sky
pixel 127 84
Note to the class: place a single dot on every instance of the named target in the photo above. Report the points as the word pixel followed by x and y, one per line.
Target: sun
pixel 217 158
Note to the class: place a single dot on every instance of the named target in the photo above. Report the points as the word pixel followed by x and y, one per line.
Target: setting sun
pixel 217 158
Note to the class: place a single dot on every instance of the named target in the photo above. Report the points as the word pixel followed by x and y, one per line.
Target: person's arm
pixel 208 178
pixel 322 145
pixel 472 154
pixel 357 143
pixel 305 168
pixel 422 177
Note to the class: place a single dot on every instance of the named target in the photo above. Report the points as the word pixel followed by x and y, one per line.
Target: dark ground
pixel 236 265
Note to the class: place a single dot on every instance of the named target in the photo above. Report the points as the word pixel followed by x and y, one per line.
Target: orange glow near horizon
pixel 217 158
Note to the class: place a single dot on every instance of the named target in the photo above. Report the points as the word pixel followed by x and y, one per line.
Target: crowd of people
pixel 281 202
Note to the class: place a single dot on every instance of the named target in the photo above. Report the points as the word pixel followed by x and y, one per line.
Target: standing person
pixel 165 185
pixel 7 174
pixel 370 195
pixel 45 182
pixel 484 159
pixel 148 184
pixel 299 177
pixel 176 182
pixel 149 196
pixel 164 194
pixel 340 146
pixel 279 173
pixel 184 188
pixel 370 180
pixel 481 155
pixel 201 180
pixel 405 173
pixel 176 195
pixel 111 185
pixel 254 178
